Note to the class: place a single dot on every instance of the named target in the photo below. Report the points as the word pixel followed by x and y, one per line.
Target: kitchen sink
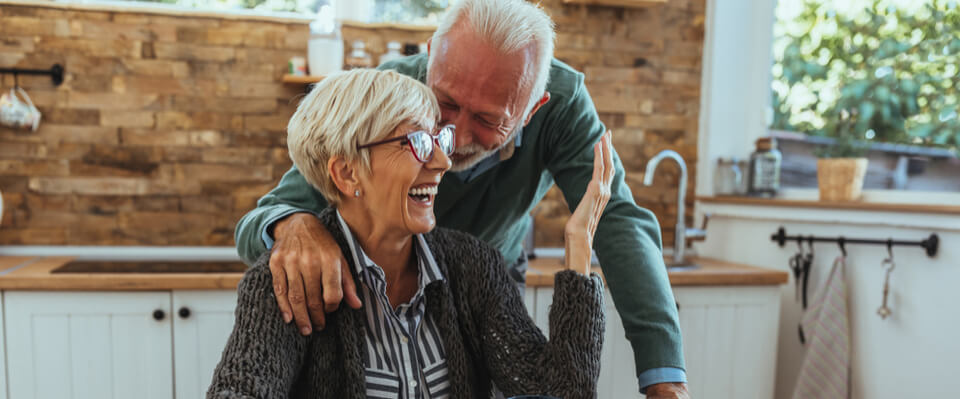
pixel 151 267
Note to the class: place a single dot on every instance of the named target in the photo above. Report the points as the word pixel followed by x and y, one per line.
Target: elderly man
pixel 523 121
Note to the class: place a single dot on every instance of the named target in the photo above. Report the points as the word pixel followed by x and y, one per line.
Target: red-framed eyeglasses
pixel 421 142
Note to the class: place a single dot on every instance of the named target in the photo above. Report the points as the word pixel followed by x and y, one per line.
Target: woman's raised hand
pixel 582 225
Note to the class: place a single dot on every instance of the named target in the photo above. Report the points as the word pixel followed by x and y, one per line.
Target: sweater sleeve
pixel 518 356
pixel 627 241
pixel 292 195
pixel 263 354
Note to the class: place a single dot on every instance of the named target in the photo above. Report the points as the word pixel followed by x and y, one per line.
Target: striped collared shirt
pixel 404 355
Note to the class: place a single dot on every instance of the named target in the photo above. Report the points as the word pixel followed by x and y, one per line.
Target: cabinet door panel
pixel 88 345
pixel 200 337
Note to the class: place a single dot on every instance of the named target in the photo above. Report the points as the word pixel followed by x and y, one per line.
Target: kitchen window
pixel 878 76
pixel 737 101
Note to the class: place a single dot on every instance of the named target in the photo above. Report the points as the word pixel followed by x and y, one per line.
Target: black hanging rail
pixel 931 244
pixel 55 72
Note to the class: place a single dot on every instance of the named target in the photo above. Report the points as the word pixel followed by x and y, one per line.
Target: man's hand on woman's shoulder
pixel 310 275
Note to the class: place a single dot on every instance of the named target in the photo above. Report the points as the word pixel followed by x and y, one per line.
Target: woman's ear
pixel 344 175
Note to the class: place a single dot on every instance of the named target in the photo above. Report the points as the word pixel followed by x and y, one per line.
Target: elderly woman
pixel 440 318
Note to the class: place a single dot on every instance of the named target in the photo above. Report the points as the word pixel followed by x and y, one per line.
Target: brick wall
pixel 642 67
pixel 168 128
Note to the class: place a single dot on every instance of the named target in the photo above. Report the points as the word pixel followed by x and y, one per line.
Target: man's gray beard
pixel 476 153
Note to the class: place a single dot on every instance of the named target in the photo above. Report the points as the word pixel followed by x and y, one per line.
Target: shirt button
pixel 404 339
pixel 413 383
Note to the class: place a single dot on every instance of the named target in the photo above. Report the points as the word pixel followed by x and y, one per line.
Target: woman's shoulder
pixel 257 280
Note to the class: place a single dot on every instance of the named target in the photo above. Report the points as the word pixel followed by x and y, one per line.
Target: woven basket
pixel 841 179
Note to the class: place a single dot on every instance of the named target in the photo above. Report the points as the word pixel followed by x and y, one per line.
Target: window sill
pixel 847 206
pixel 875 214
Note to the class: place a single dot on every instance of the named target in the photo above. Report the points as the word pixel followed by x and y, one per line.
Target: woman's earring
pixel 356 193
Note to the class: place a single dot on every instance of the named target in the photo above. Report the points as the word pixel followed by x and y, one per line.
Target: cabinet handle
pixel 184 312
pixel 158 315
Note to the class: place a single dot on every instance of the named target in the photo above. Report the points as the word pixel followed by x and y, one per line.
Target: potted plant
pixel 842 165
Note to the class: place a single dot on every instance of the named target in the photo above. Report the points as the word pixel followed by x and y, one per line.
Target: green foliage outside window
pixel 872 70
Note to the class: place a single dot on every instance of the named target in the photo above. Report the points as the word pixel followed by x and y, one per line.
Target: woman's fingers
pixel 608 159
pixel 598 156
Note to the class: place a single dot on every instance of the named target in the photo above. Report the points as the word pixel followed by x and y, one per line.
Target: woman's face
pixel 400 190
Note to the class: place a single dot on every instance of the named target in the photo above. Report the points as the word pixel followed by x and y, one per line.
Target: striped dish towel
pixel 825 373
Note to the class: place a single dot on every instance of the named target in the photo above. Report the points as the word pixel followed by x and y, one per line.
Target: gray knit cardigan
pixel 487 334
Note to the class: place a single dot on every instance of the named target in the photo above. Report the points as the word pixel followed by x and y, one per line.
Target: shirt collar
pixel 429 270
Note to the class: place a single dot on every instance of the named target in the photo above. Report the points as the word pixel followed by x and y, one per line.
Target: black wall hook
pixel 55 72
pixel 931 244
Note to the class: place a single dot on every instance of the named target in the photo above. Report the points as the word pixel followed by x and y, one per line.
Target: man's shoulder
pixel 565 81
pixel 414 66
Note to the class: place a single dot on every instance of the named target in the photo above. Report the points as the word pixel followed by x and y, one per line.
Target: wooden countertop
pixel 710 272
pixel 34 273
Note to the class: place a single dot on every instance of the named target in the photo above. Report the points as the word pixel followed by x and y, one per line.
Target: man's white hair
pixel 508 26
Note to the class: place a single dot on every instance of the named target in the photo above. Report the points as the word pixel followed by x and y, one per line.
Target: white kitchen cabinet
pixel 729 337
pixel 202 323
pixel 109 344
pixel 88 344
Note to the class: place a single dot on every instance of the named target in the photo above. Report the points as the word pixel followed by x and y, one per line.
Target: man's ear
pixel 344 175
pixel 430 40
pixel 543 100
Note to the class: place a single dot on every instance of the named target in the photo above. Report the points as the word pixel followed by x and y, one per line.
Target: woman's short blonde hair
pixel 348 109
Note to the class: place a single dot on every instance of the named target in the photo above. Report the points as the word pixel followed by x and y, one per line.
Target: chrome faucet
pixel 682 233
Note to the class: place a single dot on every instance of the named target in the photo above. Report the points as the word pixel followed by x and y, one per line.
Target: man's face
pixel 481 92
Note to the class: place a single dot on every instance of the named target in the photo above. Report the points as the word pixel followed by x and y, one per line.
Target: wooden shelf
pixel 618 3
pixel 389 25
pixel 855 205
pixel 301 80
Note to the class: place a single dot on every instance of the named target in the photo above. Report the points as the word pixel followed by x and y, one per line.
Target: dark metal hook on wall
pixel 931 244
pixel 55 72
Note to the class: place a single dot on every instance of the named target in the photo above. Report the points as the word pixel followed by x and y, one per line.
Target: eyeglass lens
pixel 422 143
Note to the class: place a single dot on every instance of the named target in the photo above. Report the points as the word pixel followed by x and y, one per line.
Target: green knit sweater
pixel 555 147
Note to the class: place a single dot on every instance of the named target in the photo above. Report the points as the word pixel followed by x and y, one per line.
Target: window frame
pixel 737 58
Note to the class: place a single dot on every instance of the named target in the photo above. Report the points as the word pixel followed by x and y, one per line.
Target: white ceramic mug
pixel 17 113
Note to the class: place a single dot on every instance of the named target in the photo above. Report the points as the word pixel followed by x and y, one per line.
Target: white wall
pixel 913 353
pixel 735 89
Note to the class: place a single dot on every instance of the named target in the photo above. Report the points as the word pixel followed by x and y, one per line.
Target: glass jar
pixel 325 48
pixel 765 168
pixel 393 52
pixel 359 57
pixel 727 177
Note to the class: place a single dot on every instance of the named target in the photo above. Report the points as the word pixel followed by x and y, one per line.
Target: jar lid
pixel 766 143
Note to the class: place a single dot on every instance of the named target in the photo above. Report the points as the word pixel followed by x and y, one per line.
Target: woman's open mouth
pixel 423 194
